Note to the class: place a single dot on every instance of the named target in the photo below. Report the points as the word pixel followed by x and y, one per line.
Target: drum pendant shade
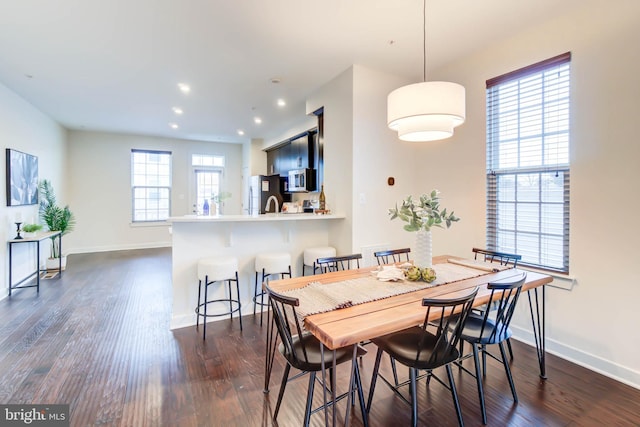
pixel 426 111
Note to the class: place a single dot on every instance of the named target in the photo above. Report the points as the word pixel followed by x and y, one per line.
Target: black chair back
pixel 392 255
pixel 302 351
pixel 501 257
pixel 288 326
pixel 441 335
pixel 426 347
pixel 494 327
pixel 337 263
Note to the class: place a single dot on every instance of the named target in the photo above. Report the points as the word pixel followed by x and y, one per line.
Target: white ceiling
pixel 114 65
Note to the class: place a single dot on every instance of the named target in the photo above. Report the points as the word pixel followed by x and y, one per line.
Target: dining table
pixel 347 307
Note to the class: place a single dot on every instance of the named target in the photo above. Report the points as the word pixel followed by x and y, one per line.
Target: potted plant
pixel 420 215
pixel 57 219
pixel 31 229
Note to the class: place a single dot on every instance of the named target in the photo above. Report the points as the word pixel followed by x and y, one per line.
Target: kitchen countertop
pixel 255 218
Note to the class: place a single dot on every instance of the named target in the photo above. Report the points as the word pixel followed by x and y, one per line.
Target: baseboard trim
pixel 590 361
pixel 151 245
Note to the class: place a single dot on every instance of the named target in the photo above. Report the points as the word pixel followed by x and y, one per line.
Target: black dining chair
pixel 492 327
pixel 426 347
pixel 337 263
pixel 494 256
pixel 503 258
pixel 302 351
pixel 391 256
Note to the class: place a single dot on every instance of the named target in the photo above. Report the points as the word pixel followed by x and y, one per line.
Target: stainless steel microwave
pixel 302 180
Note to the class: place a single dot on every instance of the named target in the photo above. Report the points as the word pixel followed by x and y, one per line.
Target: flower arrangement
pixel 424 213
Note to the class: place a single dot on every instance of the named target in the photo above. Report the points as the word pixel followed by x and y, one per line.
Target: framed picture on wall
pixel 22 178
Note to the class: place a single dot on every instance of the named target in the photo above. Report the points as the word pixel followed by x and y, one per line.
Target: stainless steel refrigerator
pixel 261 188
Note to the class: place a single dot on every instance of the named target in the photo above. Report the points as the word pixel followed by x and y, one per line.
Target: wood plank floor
pixel 99 340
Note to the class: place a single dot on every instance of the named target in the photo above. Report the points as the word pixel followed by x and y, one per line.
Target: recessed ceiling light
pixel 275 80
pixel 240 132
pixel 281 102
pixel 184 88
pixel 173 125
pixel 257 120
pixel 178 110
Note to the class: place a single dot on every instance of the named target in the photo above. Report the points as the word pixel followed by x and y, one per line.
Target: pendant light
pixel 426 111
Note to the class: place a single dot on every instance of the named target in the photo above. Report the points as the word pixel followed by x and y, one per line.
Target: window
pixel 208 177
pixel 528 163
pixel 150 185
pixel 207 185
pixel 207 160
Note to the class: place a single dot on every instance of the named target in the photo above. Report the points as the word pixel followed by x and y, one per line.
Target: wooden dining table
pixel 357 323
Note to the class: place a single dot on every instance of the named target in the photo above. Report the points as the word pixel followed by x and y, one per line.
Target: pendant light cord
pixel 424 40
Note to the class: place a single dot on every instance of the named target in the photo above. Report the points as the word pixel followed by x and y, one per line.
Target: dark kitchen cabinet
pixel 296 153
pixel 285 160
pixel 271 161
pixel 280 160
pixel 300 152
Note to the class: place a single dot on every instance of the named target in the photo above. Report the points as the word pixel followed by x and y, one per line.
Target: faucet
pixel 268 205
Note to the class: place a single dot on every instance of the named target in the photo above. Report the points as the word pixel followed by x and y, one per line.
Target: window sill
pixel 565 281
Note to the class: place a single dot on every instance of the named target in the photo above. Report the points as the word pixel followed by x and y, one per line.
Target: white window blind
pixel 150 185
pixel 528 136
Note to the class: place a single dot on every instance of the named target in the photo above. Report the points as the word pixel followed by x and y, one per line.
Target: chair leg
pixel 484 360
pixel 508 371
pixel 476 361
pixel 510 349
pixel 454 395
pixel 198 306
pixel 283 385
pixel 374 378
pixel 239 303
pixel 363 409
pixel 230 300
pixel 261 297
pixel 255 295
pixel 394 370
pixel 307 412
pixel 414 397
pixel 204 319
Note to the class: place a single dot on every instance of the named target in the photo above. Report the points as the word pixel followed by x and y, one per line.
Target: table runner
pixel 319 298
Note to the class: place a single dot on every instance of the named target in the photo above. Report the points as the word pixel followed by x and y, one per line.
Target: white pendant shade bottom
pixel 425 128
pixel 426 111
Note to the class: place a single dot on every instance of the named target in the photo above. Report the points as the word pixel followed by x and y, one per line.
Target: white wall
pixel 361 153
pixel 416 168
pixel 591 323
pixel 24 128
pixel 100 188
pixel 337 99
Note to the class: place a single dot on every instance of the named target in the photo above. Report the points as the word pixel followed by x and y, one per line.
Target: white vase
pixel 422 255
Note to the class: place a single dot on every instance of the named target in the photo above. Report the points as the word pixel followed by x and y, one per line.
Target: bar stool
pixel 311 255
pixel 268 264
pixel 210 271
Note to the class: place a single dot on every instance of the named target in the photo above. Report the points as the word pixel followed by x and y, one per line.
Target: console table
pixel 36 239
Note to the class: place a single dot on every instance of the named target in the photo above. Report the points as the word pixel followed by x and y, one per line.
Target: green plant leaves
pixel 424 213
pixel 57 218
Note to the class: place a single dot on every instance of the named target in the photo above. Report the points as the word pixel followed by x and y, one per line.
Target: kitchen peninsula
pixel 241 236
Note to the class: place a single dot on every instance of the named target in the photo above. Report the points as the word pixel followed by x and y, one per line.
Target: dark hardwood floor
pixel 99 340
